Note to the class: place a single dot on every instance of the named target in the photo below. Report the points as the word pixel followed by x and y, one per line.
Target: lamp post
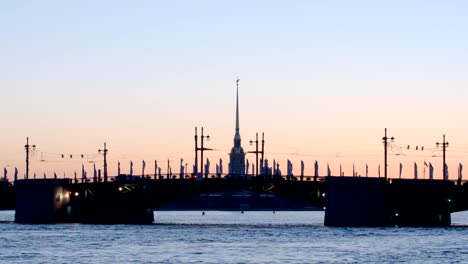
pixel 385 141
pixel 28 148
pixel 444 147
pixel 201 149
pixel 104 152
pixel 196 151
pixel 257 151
pixel 263 148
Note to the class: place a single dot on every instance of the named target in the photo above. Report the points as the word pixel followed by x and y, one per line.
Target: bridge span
pixel 348 201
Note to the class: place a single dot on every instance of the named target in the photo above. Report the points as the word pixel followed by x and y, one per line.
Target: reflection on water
pixel 230 237
pixel 240 218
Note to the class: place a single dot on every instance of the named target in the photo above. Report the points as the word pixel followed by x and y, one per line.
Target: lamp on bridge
pixel 385 141
pixel 201 149
pixel 28 148
pixel 104 152
pixel 444 145
pixel 257 151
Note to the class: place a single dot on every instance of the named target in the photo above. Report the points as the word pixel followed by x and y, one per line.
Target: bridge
pixel 348 201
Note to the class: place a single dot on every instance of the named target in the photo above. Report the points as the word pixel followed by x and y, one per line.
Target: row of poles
pixel 444 144
pixel 386 140
pixel 202 148
pixel 28 147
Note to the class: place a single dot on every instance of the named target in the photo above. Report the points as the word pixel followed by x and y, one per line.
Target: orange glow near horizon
pixel 50 162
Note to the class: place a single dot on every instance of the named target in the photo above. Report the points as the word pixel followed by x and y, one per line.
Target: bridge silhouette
pixel 347 201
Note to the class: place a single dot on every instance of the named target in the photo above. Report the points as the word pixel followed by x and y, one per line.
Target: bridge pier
pixel 352 201
pixel 49 201
pixel 421 202
pixel 42 201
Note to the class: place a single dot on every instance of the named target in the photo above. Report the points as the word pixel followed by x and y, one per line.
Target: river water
pixel 231 237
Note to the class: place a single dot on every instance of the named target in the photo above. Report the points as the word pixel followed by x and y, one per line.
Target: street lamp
pixel 385 141
pixel 201 149
pixel 444 147
pixel 104 151
pixel 28 148
pixel 257 151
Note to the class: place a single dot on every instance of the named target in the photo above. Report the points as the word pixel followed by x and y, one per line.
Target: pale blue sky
pixel 318 77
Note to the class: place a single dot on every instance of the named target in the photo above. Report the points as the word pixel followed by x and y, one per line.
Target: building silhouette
pixel 237 155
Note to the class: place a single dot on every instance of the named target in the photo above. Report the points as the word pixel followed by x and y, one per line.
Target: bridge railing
pixel 193 177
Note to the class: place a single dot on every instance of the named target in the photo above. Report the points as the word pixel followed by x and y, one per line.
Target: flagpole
pixel 424 170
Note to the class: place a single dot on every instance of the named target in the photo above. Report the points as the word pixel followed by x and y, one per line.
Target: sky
pixel 321 79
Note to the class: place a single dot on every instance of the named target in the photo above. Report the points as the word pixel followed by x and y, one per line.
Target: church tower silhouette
pixel 237 155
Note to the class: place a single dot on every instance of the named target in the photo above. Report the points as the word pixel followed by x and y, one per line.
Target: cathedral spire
pixel 237 137
pixel 237 106
pixel 237 155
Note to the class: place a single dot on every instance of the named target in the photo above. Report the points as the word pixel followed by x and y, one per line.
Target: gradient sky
pixel 322 79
